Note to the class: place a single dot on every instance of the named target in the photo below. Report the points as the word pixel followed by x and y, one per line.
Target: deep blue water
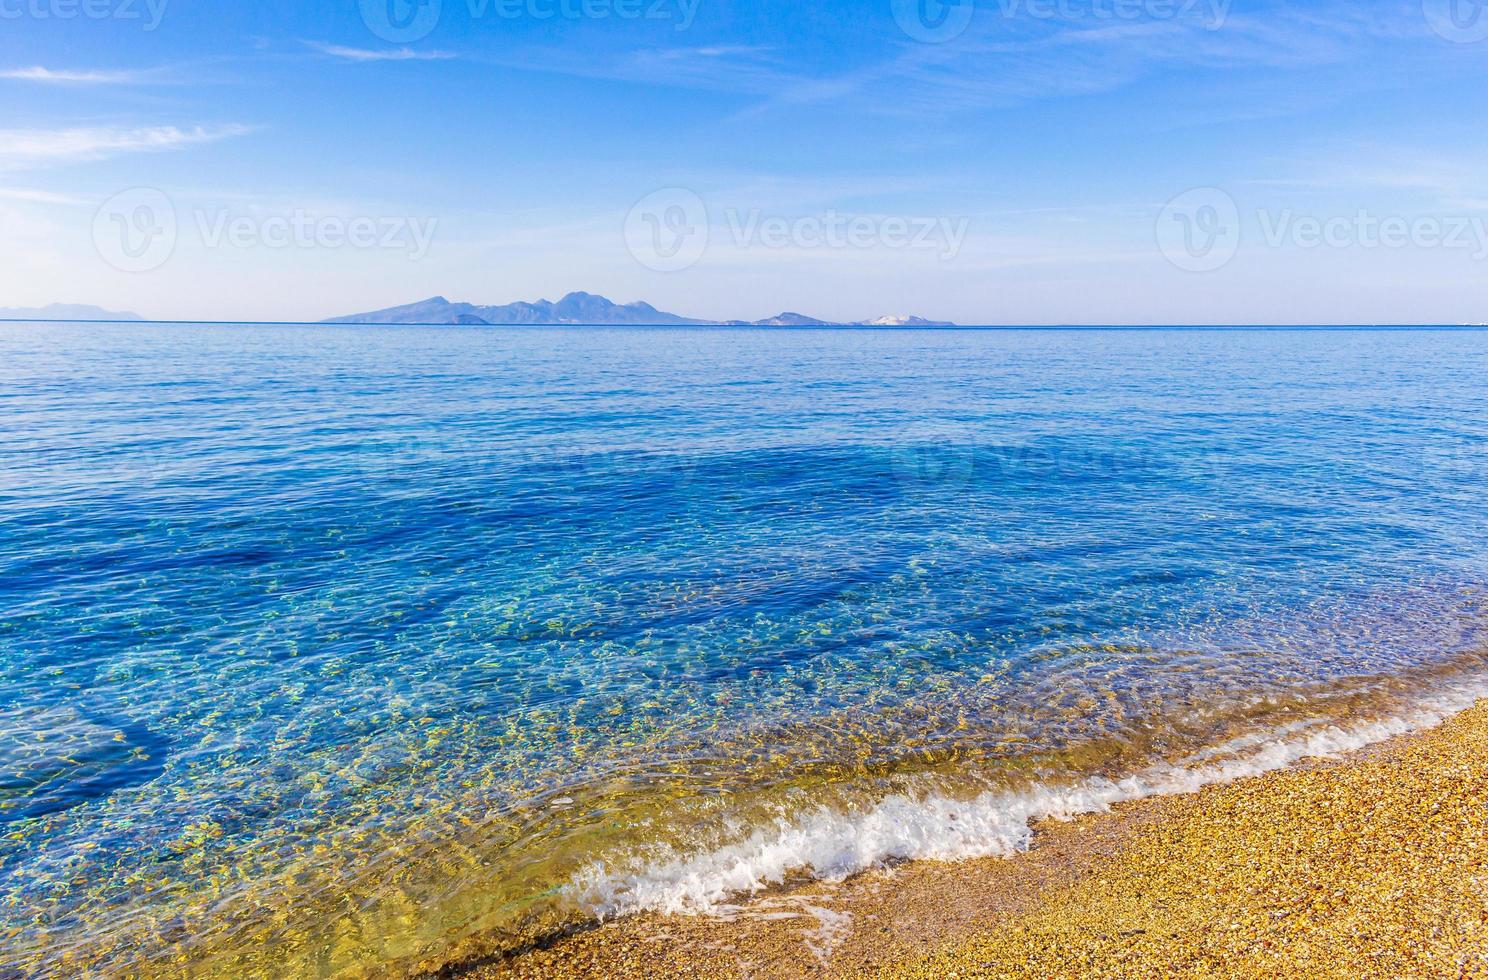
pixel 376 619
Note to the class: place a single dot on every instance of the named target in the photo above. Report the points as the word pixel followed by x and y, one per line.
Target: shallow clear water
pixel 324 649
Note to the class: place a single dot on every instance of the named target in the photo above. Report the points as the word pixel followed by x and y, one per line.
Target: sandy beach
pixel 1372 865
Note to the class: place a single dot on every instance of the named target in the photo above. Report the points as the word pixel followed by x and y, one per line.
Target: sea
pixel 338 651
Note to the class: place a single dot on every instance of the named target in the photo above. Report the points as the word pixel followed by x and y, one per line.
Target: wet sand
pixel 1374 865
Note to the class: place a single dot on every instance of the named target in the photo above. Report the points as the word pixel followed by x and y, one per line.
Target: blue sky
pixel 1006 161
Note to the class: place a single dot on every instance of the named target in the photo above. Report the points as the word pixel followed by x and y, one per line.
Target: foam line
pixel 829 844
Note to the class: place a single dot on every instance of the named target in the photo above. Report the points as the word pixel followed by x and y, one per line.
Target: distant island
pixel 63 311
pixel 588 309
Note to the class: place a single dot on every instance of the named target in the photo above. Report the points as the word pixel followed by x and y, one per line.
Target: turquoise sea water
pixel 326 651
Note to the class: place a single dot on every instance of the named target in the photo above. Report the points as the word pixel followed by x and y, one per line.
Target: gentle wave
pixel 832 845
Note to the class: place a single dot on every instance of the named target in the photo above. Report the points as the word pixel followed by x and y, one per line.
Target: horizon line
pixel 791 327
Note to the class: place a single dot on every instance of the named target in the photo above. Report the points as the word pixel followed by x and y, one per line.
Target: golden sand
pixel 1372 866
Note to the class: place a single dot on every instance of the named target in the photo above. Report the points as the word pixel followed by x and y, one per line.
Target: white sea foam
pixel 831 845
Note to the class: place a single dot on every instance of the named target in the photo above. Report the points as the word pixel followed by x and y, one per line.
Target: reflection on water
pixel 325 649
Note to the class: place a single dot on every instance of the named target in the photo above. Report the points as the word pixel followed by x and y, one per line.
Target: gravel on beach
pixel 1371 866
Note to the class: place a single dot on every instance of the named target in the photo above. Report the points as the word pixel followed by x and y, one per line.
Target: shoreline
pixel 1228 880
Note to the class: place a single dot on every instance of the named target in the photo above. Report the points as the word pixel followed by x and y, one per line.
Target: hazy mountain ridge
pixel 63 311
pixel 587 308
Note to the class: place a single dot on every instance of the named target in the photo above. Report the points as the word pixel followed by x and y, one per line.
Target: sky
pixel 987 162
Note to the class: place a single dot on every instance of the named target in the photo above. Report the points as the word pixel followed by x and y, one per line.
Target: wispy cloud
pixel 380 54
pixel 1404 174
pixel 1010 56
pixel 749 70
pixel 716 51
pixel 24 148
pixel 1013 62
pixel 33 196
pixel 70 77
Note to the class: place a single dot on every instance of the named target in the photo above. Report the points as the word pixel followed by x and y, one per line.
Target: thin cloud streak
pixel 26 148
pixel 366 54
pixel 33 196
pixel 49 76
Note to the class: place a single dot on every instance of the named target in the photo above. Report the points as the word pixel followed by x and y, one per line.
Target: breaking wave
pixel 829 844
